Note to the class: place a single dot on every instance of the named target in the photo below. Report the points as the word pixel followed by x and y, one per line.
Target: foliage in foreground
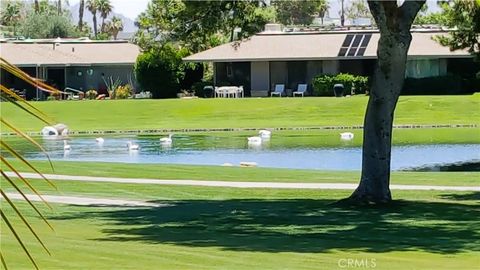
pixel 8 95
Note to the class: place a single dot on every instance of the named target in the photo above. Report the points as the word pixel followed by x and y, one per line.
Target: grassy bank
pixel 257 229
pixel 243 113
pixel 159 171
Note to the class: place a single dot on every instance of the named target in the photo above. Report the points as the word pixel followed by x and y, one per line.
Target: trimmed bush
pixel 323 84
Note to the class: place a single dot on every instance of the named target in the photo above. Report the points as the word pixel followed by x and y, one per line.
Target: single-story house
pixel 293 56
pixel 80 64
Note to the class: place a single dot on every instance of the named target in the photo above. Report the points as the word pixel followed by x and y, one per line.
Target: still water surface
pixel 276 153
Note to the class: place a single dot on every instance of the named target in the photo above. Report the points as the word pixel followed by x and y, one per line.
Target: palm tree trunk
pixel 80 14
pixel 59 7
pixel 37 6
pixel 342 14
pixel 95 24
pixel 103 25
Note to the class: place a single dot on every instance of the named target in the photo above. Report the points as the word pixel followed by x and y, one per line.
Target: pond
pixel 295 151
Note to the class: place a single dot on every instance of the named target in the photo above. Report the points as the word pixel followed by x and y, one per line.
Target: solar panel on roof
pixel 356 41
pixel 354 45
pixel 366 39
pixel 361 51
pixel 342 51
pixel 348 40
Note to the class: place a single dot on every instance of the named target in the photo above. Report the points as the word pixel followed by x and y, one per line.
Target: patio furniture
pixel 229 91
pixel 279 89
pixel 301 89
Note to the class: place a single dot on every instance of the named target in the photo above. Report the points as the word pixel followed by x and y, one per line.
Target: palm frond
pixel 19 240
pixel 24 220
pixel 11 97
pixel 17 155
pixel 15 186
pixel 28 138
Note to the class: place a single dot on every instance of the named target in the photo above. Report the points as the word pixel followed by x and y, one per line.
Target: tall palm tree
pixel 59 7
pixel 92 6
pixel 11 15
pixel 323 7
pixel 342 13
pixel 105 7
pixel 80 14
pixel 115 26
pixel 37 6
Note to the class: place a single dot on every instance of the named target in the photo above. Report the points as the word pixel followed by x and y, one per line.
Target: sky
pixel 129 8
pixel 132 8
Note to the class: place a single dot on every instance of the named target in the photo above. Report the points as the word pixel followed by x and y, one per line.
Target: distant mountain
pixel 128 24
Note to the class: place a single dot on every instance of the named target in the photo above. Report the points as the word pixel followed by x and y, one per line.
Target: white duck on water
pixel 255 140
pixel 133 147
pixel 166 140
pixel 265 134
pixel 66 146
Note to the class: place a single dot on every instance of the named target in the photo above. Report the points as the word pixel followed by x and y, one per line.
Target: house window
pixel 422 68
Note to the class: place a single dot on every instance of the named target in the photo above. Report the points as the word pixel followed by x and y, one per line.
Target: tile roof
pixel 75 53
pixel 314 46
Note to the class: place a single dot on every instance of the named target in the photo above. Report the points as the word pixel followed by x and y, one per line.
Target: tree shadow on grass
pixel 473 196
pixel 296 225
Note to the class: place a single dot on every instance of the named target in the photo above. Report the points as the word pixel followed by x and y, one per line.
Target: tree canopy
pixel 199 25
pixel 464 17
pixel 299 12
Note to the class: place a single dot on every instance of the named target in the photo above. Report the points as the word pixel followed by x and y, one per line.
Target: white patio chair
pixel 301 89
pixel 279 89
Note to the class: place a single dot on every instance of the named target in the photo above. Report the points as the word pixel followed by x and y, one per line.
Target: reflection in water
pixel 286 152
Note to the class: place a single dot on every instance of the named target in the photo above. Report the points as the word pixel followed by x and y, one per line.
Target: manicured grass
pixel 243 113
pixel 257 229
pixel 160 171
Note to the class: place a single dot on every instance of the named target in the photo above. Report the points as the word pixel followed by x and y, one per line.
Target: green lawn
pixel 232 228
pixel 256 229
pixel 243 113
pixel 192 172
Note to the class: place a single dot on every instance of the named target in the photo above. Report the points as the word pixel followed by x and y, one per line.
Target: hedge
pixel 323 84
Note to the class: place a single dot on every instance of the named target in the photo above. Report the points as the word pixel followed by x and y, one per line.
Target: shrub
pixel 91 94
pixel 47 26
pixel 323 84
pixel 160 70
pixel 124 92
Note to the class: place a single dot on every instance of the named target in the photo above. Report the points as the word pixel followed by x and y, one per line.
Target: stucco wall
pixel 86 78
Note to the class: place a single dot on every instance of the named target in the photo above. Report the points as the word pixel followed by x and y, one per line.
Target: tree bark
pixel 80 14
pixel 394 24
